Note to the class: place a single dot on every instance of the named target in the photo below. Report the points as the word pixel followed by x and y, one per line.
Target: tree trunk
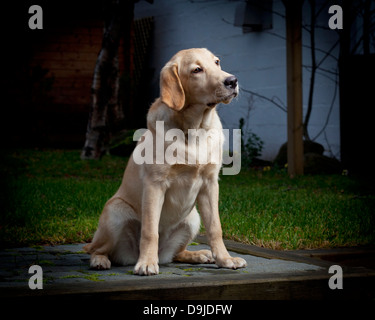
pixel 313 71
pixel 105 109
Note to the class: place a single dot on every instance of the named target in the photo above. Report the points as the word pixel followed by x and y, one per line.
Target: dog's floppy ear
pixel 171 91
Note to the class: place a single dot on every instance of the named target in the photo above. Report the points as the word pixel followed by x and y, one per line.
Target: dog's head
pixel 194 76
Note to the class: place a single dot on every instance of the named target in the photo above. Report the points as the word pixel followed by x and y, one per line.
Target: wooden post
pixel 293 9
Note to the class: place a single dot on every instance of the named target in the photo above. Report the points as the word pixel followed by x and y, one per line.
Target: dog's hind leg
pixel 200 256
pixel 173 246
pixel 117 236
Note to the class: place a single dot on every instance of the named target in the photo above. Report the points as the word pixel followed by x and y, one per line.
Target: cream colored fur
pixel 153 217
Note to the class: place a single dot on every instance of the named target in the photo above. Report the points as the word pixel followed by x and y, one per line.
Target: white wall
pixel 258 59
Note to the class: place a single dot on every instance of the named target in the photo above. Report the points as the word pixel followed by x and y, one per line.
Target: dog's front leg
pixel 152 203
pixel 208 204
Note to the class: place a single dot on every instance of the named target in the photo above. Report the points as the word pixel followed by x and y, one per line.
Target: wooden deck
pixel 270 275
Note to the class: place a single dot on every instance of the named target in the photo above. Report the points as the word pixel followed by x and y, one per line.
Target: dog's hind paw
pixel 201 256
pixel 100 262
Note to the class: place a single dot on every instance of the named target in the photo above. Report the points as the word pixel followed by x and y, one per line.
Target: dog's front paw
pixel 146 268
pixel 231 263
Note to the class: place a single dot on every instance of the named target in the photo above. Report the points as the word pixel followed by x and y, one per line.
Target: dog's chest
pixel 181 194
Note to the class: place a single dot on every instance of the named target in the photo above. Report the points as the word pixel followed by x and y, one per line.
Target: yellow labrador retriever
pixel 153 217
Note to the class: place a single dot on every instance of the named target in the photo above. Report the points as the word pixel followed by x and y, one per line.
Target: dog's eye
pixel 197 70
pixel 217 62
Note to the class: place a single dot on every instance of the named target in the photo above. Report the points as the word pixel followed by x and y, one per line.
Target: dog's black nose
pixel 231 82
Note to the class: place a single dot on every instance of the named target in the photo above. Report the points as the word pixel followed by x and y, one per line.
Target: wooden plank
pixel 313 285
pixel 294 86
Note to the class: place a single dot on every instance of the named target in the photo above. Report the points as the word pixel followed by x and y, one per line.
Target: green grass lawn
pixel 271 210
pixel 53 197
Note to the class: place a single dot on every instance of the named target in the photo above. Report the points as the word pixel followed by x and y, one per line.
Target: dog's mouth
pixel 226 99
